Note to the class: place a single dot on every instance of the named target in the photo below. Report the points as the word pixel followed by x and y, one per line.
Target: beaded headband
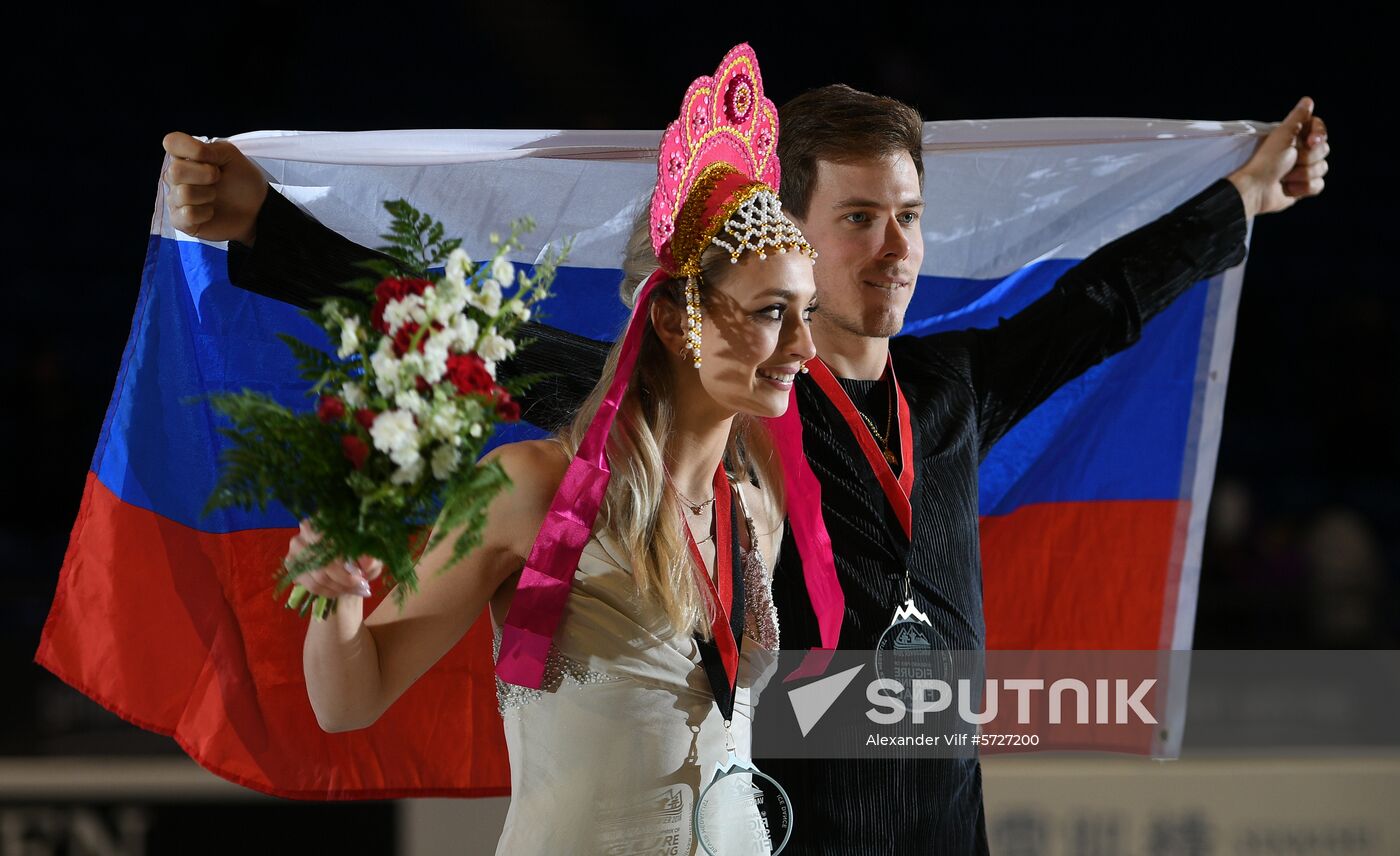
pixel 717 171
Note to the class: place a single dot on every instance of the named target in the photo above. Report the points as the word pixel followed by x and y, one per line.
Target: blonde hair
pixel 639 508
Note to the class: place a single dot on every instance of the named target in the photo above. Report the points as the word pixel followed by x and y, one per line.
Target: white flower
pixel 454 304
pixel 408 473
pixel 445 461
pixel 412 364
pixel 353 394
pixel 495 347
pixel 395 313
pixel 411 401
pixel 446 303
pixel 519 309
pixel 411 307
pixel 444 423
pixel 418 308
pixel 475 430
pixel 349 337
pixel 435 356
pixel 464 333
pixel 458 262
pixel 395 434
pixel 502 271
pixel 487 298
pixel 385 367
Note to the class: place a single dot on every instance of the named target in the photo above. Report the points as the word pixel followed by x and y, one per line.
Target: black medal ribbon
pixel 720 683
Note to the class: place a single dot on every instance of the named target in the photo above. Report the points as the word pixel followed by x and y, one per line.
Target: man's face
pixel 863 221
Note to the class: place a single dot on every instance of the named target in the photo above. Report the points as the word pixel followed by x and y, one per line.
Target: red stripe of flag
pixel 190 643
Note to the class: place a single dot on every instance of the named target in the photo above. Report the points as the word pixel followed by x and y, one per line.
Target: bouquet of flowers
pixel 403 407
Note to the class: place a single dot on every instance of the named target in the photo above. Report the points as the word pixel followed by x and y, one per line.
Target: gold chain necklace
pixel 696 508
pixel 882 439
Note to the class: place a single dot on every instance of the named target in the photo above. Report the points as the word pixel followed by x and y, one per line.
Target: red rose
pixel 421 384
pixel 507 408
pixel 354 449
pixel 366 417
pixel 468 373
pixel 404 338
pixel 330 408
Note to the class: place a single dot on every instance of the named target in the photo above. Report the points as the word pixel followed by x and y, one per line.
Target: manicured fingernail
pixel 363 588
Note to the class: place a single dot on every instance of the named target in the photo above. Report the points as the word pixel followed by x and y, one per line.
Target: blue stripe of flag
pixel 1118 432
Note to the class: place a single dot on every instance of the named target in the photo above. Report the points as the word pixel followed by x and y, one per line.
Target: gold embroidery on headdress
pixel 751 216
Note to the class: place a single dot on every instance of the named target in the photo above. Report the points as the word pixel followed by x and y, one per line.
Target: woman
pixel 645 684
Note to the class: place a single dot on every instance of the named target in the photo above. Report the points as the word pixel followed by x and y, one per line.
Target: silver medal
pixel 742 811
pixel 911 649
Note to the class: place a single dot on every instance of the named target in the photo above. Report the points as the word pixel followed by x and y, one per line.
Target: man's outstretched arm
pixel 1099 306
pixel 297 259
pixel 279 251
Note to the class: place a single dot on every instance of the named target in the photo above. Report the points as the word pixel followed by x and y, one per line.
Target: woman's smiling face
pixel 754 332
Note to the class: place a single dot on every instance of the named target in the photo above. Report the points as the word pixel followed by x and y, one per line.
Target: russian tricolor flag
pixel 1093 508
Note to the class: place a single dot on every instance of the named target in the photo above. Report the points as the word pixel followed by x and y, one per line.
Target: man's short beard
pixel 881 327
pixel 885 327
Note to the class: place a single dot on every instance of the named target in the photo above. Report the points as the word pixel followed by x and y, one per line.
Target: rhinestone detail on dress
pixel 557 667
pixel 761 623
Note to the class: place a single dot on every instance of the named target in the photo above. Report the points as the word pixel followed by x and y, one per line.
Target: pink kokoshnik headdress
pixel 716 183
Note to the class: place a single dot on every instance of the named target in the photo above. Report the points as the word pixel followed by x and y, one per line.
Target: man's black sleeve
pixel 571 365
pixel 298 260
pixel 1098 307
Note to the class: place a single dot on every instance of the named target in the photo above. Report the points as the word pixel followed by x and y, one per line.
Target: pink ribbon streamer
pixel 804 513
pixel 549 572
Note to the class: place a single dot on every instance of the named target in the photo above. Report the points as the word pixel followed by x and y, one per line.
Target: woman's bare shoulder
pixel 532 454
pixel 535 469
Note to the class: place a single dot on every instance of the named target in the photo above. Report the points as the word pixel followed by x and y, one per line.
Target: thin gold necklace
pixel 696 508
pixel 882 439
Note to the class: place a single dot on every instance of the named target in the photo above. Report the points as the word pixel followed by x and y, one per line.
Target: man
pixel 899 494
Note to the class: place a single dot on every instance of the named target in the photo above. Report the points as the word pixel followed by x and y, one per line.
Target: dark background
pixel 1303 548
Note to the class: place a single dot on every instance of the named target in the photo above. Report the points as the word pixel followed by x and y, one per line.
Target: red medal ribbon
pixel 897 489
pixel 723 594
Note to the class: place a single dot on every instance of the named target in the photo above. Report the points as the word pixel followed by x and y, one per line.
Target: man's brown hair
pixel 839 124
